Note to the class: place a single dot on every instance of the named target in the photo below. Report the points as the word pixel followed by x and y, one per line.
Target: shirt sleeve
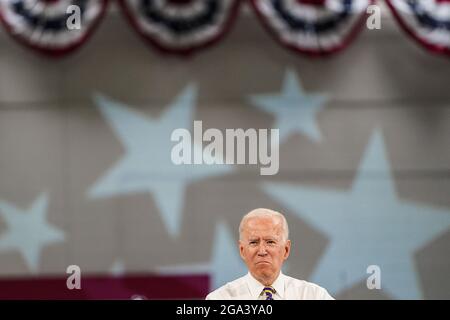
pixel 215 295
pixel 325 295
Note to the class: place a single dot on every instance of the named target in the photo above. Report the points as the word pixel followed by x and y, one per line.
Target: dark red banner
pixel 107 287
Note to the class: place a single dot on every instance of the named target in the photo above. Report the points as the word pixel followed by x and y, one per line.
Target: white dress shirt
pixel 286 288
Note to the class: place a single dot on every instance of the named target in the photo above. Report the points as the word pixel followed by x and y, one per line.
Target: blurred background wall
pixel 364 179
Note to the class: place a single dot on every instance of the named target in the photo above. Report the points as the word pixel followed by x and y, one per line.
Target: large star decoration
pixel 225 265
pixel 27 231
pixel 368 225
pixel 293 109
pixel 147 164
pixel 117 269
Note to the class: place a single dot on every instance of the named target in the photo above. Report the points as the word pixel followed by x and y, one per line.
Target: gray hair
pixel 263 212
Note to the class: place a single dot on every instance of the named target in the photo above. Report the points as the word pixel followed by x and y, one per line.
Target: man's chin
pixel 264 267
pixel 262 272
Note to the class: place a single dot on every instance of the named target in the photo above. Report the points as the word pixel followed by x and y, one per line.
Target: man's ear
pixel 241 249
pixel 287 248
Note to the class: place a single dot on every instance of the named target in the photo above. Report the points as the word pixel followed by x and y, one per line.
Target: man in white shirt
pixel 264 245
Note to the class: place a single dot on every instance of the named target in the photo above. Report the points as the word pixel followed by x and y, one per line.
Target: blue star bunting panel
pixel 181 25
pixel 47 25
pixel 427 21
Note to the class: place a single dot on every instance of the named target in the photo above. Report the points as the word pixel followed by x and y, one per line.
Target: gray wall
pixel 55 141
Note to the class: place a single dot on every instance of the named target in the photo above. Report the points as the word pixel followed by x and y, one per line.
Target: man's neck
pixel 267 281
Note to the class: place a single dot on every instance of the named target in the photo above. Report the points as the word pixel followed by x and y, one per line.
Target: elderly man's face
pixel 263 248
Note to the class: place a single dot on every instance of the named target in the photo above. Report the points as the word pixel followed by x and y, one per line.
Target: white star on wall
pixel 225 265
pixel 147 164
pixel 118 268
pixel 368 225
pixel 293 109
pixel 28 232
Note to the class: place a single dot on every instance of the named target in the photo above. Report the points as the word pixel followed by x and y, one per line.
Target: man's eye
pixel 252 242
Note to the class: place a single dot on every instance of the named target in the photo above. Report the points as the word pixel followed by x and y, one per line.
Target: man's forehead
pixel 270 226
pixel 263 222
pixel 267 237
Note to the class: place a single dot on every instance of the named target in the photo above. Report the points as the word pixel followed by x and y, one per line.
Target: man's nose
pixel 262 250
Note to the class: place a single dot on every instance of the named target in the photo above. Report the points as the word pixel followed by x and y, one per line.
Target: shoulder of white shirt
pixel 319 292
pixel 230 289
pixel 227 289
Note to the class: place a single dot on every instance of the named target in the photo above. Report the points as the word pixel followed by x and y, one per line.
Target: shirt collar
pixel 256 287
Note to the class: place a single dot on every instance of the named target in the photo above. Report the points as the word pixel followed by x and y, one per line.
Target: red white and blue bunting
pixel 42 24
pixel 427 21
pixel 314 27
pixel 181 26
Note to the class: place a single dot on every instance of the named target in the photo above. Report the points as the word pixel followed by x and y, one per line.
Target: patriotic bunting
pixel 313 26
pixel 427 21
pixel 43 24
pixel 181 26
